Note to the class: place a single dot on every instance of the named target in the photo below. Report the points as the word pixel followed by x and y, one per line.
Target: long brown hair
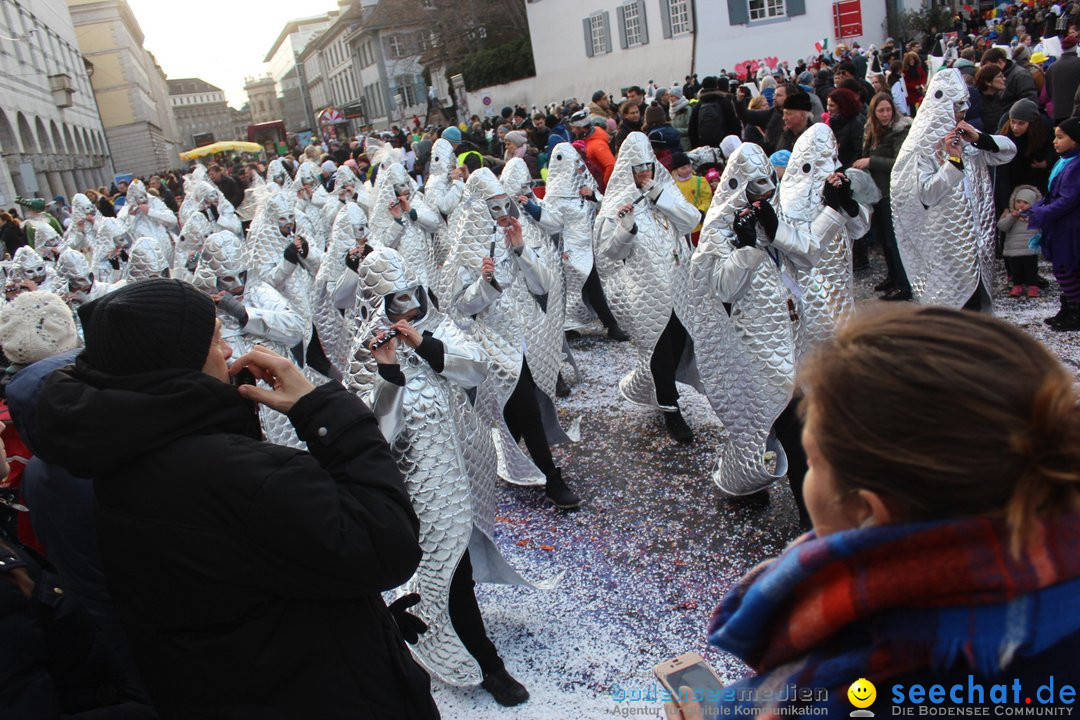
pixel 985 76
pixel 1036 135
pixel 875 131
pixel 945 414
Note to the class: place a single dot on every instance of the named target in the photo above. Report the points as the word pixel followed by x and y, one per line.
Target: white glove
pixel 654 189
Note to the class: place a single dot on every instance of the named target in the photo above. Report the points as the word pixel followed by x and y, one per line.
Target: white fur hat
pixel 36 325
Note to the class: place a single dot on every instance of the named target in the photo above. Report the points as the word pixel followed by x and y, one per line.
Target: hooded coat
pixel 247 575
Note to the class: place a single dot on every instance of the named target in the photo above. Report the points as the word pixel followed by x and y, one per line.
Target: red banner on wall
pixel 847 19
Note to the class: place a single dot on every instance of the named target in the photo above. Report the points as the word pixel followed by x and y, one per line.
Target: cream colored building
pixel 263 99
pixel 131 88
pixel 51 137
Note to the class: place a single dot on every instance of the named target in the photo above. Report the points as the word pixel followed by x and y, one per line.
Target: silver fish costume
pixel 545 317
pixel 156 221
pixel 76 281
pixel 146 262
pixel 496 308
pixel 201 196
pixel 28 265
pixel 747 258
pixel 410 233
pixel 824 292
pixel 573 217
pixel 345 184
pixel 448 462
pixel 943 210
pixel 251 313
pixel 335 284
pixel 309 197
pixel 443 190
pixel 643 258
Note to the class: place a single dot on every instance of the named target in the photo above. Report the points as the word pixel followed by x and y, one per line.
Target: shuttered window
pixel 766 9
pixel 597 29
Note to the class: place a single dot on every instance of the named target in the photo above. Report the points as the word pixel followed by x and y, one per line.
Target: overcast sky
pixel 220 41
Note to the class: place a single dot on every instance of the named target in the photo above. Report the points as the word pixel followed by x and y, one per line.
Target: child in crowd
pixel 779 161
pixel 1021 254
pixel 695 188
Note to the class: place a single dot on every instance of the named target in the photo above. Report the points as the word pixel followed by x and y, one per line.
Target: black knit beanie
pixel 1071 127
pixel 152 325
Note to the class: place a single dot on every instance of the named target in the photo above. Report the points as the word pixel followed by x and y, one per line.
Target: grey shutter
pixel 641 20
pixel 796 7
pixel 690 15
pixel 738 12
pixel 588 37
pixel 620 13
pixel 607 31
pixel 665 16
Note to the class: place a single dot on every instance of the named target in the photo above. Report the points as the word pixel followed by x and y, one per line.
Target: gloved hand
pixel 766 215
pixel 627 221
pixel 840 198
pixel 352 261
pixel 234 307
pixel 291 253
pixel 745 227
pixel 411 627
pixel 304 247
pixel 654 189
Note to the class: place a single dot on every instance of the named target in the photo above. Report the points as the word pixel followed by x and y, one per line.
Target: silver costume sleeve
pixel 464 361
pixel 344 292
pixel 391 236
pixel 1006 151
pixel 279 276
pixel 160 212
pixel 732 273
pixel 387 404
pixel 935 182
pixel 860 224
pixel 271 317
pixel 538 276
pixel 682 214
pixel 613 240
pixel 551 219
pixel 802 248
pixel 314 258
pixel 319 197
pixel 426 218
pixel 476 295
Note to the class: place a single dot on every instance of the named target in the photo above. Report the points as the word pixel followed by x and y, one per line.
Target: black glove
pixel 304 247
pixel 411 627
pixel 840 197
pixel 291 253
pixel 352 261
pixel 115 262
pixel 766 215
pixel 745 227
pixel 231 305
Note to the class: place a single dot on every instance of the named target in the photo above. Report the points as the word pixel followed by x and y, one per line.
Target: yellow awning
pixel 219 147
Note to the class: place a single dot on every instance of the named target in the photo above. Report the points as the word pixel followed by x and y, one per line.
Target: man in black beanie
pixel 247 575
pixel 797 117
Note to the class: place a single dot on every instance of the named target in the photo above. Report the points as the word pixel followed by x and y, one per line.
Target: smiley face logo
pixel 862 693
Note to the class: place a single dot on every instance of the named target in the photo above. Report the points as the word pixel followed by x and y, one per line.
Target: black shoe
pixel 1054 319
pixel 507 691
pixel 572 334
pixel 561 388
pixel 617 333
pixel 1042 282
pixel 1070 321
pixel 559 493
pixel 886 284
pixel 897 295
pixel 677 428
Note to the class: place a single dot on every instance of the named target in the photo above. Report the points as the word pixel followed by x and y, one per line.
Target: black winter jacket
pixel 247 575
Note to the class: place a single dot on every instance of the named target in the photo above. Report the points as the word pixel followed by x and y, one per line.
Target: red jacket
pixel 598 151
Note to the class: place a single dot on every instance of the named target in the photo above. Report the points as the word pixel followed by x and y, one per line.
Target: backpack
pixel 710 124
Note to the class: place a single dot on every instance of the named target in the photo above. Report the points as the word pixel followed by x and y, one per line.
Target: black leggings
pixel 1023 269
pixel 467 621
pixel 788 430
pixel 594 293
pixel 522 415
pixel 665 359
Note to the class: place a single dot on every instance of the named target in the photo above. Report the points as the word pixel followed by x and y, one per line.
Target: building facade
pixel 387 45
pixel 202 115
pixel 283 63
pixel 330 68
pixel 130 87
pixel 263 101
pixel 51 137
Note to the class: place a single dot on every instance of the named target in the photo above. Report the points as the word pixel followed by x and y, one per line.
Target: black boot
pixel 572 334
pixel 1051 321
pixel 561 388
pixel 1070 321
pixel 886 284
pixel 559 493
pixel 897 295
pixel 1042 282
pixel 860 256
pixel 617 333
pixel 507 691
pixel 677 428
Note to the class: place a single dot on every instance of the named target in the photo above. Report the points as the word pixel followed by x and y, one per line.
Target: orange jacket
pixel 598 151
